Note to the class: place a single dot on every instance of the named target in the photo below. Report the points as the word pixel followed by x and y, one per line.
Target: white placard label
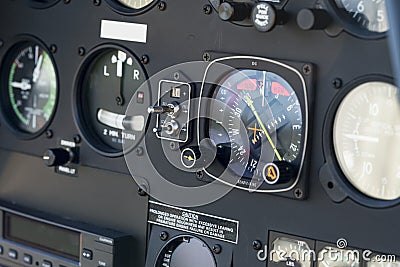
pixel 124 31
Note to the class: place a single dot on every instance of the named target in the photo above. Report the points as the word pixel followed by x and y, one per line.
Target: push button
pixel 47 264
pixel 13 254
pixel 1 250
pixel 87 254
pixel 27 259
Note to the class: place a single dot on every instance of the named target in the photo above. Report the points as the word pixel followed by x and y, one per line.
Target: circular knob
pixel 57 157
pixel 233 11
pixel 264 17
pixel 313 19
pixel 171 127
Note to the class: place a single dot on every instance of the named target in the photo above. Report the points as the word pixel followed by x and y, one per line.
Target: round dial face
pixel 290 250
pixel 335 257
pixel 368 14
pixel 136 4
pixel 366 135
pixel 31 93
pixel 381 263
pixel 42 3
pixel 262 122
pixel 186 251
pixel 109 80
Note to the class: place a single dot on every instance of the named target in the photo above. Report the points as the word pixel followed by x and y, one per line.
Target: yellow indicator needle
pixel 190 158
pixel 249 102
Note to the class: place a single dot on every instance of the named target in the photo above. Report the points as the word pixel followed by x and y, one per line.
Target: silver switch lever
pixel 171 108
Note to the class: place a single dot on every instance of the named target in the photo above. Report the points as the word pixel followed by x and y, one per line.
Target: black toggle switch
pixel 313 19
pixel 234 11
pixel 57 157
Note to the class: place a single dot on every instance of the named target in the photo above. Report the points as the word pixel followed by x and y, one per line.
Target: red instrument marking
pixel 279 89
pixel 248 84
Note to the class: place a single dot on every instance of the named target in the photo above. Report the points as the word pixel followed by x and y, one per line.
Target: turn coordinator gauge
pixel 108 80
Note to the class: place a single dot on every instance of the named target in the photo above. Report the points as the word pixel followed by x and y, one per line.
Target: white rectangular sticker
pixel 194 222
pixel 124 31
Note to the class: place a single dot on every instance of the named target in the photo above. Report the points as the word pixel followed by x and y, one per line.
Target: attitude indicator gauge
pixel 108 80
pixel 29 91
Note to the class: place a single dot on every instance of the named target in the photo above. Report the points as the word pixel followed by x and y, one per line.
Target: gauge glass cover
pixel 369 15
pixel 366 137
pixel 30 97
pixel 291 250
pixel 335 257
pixel 108 81
pixel 262 122
pixel 136 4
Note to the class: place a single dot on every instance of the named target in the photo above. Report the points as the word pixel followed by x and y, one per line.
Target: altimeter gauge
pixel 366 138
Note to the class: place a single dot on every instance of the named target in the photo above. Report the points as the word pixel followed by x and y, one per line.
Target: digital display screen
pixel 43 236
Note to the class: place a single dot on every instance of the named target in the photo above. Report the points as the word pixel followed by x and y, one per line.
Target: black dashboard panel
pixel 171 58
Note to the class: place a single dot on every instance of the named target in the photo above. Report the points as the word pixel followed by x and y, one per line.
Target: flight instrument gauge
pixel 366 137
pixel 108 79
pixel 259 121
pixel 291 251
pixel 183 251
pixel 29 88
pixel 41 4
pixel 130 7
pixel 335 257
pixel 366 17
pixel 136 4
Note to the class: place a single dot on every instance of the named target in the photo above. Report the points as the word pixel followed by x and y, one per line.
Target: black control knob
pixel 265 17
pixel 57 157
pixel 233 11
pixel 313 19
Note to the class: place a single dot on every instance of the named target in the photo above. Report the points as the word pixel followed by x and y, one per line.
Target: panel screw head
pixel 1 43
pixel 337 83
pixel 119 101
pixel 306 69
pixel 81 51
pixel 77 138
pixel 142 191
pixel 256 245
pixel 216 249
pixel 53 48
pixel 97 2
pixel 67 2
pixel 164 236
pixel 144 59
pixel 207 9
pixel 206 56
pixel 49 134
pixel 199 174
pixel 162 6
pixel 298 193
pixel 139 151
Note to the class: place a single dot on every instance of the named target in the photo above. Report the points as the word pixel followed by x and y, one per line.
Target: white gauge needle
pixel 24 85
pixel 364 138
pixel 36 71
pixel 119 121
